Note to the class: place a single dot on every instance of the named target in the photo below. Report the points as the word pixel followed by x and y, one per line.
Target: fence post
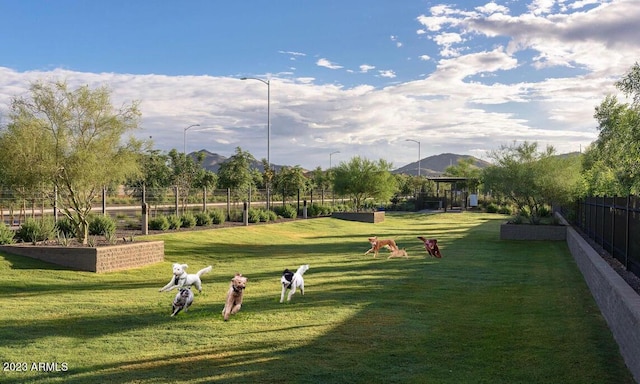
pixel 176 200
pixel 104 201
pixel 228 204
pixel 204 199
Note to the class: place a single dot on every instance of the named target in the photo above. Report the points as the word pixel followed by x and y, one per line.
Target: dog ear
pixel 185 266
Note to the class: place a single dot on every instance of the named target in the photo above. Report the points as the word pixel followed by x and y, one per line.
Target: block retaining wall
pixel 366 217
pixel 533 232
pixel 98 259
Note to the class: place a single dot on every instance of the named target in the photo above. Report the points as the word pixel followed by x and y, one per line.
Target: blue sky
pixel 359 76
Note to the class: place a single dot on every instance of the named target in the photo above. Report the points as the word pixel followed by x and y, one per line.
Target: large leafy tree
pixel 612 162
pixel 363 179
pixel 290 180
pixel 530 178
pixel 73 139
pixel 236 174
pixel 465 168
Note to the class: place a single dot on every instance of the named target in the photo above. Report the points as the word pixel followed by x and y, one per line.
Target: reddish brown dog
pixel 431 245
pixel 378 244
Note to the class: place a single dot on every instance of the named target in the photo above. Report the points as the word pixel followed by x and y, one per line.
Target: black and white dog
pixel 292 281
pixel 183 300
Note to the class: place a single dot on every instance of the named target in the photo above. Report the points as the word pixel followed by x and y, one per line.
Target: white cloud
pixel 327 64
pixel 364 68
pixel 425 57
pixel 387 73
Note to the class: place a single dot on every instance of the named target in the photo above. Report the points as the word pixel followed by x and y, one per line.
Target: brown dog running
pixel 398 253
pixel 378 244
pixel 431 245
pixel 234 296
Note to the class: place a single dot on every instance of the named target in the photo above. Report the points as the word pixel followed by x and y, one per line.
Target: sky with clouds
pixel 365 78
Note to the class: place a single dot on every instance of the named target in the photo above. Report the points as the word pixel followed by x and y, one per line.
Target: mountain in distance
pixel 429 166
pixel 436 165
pixel 212 161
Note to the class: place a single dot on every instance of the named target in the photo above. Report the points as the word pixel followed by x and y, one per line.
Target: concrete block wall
pixel 98 259
pixel 366 217
pixel 618 302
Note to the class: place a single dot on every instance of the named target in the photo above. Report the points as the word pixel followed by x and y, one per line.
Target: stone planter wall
pixel 533 232
pixel 98 259
pixel 366 217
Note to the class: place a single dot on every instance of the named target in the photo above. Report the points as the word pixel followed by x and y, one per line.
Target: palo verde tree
pixel 73 139
pixel 363 179
pixel 532 179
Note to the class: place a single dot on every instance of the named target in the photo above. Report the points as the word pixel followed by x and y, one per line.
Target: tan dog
pixel 234 296
pixel 378 244
pixel 398 253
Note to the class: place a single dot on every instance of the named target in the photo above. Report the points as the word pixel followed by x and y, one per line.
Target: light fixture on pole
pixel 184 139
pixel 331 154
pixel 268 83
pixel 416 141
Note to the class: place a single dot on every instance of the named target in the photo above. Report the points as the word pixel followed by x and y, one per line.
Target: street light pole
pixel 184 139
pixel 331 154
pixel 268 83
pixel 419 156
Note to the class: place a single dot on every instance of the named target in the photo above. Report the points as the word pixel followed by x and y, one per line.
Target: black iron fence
pixel 614 223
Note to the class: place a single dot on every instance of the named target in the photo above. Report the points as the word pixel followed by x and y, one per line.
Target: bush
pixel 288 211
pixel 33 230
pixel 504 210
pixel 6 234
pixel 217 216
pixel 159 223
pixel 65 228
pixel 175 221
pixel 187 221
pixel 254 215
pixel 102 226
pixel 203 219
pixel 492 208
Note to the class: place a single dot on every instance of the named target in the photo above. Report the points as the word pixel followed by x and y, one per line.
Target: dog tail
pixel 204 270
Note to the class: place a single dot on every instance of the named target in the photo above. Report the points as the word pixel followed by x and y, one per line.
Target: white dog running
pixel 292 281
pixel 181 279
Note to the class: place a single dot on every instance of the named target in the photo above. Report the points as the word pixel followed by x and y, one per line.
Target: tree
pixel 531 179
pixel 363 179
pixel 290 180
pixel 611 162
pixel 465 168
pixel 155 177
pixel 236 174
pixel 71 139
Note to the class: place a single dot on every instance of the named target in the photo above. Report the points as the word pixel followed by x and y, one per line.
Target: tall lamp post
pixel 331 154
pixel 268 83
pixel 416 141
pixel 333 192
pixel 184 139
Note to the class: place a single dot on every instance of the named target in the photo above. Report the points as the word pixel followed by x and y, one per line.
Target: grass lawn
pixel 489 311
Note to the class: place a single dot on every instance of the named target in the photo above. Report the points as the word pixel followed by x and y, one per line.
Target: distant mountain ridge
pixel 436 165
pixel 429 166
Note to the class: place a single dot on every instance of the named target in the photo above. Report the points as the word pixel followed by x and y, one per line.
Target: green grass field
pixel 489 311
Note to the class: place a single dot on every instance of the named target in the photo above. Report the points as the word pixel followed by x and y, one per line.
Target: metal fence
pixel 614 223
pixel 126 206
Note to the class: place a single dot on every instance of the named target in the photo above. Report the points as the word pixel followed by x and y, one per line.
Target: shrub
pixel 544 211
pixel 492 208
pixel 65 228
pixel 6 234
pixel 504 210
pixel 175 221
pixel 159 223
pixel 217 216
pixel 33 230
pixel 102 226
pixel 203 219
pixel 265 215
pixel 187 220
pixel 288 211
pixel 254 215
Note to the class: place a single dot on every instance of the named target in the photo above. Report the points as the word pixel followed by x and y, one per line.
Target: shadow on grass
pixel 404 330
